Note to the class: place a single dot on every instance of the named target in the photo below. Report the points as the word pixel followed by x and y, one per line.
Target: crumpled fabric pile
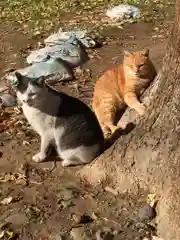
pixel 63 51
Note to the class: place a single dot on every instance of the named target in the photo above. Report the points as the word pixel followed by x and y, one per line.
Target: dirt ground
pixel 48 201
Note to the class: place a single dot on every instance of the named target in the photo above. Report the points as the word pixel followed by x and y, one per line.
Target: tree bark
pixel 149 156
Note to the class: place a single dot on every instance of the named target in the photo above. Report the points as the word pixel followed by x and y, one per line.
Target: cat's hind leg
pixel 106 114
pixel 79 155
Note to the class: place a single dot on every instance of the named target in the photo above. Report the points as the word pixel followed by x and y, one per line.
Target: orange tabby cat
pixel 122 85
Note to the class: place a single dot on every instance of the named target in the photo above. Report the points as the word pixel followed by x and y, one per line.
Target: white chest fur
pixel 41 122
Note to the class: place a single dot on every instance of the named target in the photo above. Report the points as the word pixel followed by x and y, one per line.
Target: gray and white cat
pixel 60 120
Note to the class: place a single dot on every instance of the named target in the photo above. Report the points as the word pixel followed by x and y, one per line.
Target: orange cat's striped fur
pixel 122 85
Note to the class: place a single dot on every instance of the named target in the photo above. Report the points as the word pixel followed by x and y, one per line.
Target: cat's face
pixel 28 90
pixel 137 62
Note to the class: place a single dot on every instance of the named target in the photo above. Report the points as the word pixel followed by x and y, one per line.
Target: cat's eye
pixel 35 83
pixel 141 65
pixel 22 86
pixel 31 94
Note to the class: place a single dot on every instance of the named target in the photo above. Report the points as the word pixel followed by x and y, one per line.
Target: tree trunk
pixel 149 156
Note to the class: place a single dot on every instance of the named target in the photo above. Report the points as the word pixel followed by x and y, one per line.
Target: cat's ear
pixel 17 79
pixel 18 75
pixel 40 81
pixel 145 52
pixel 127 53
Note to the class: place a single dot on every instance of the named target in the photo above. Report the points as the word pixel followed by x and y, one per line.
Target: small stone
pixel 146 213
pixel 82 219
pixel 8 100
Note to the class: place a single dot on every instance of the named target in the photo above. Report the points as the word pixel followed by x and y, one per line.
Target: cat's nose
pixel 136 71
pixel 25 100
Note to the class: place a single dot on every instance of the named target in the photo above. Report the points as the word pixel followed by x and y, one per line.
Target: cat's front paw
pixel 39 157
pixel 141 110
pixel 65 163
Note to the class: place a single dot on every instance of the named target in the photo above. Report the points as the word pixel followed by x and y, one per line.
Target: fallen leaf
pixel 151 199
pixel 26 143
pixel 6 201
pixel 7 177
pixel 156 238
pixel 111 190
pixel 10 235
pixel 2 234
pixel 94 216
